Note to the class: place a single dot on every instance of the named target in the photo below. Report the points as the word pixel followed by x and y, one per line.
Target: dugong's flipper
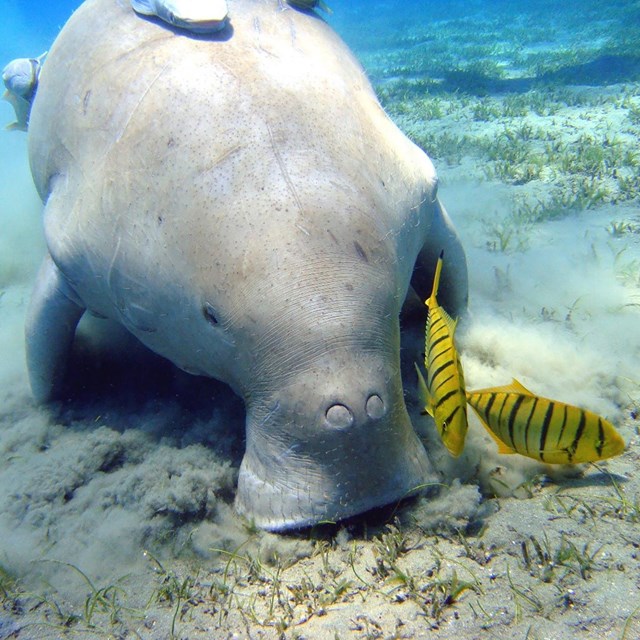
pixel 52 318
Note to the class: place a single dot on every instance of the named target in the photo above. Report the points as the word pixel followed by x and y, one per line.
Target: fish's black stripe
pixel 436 342
pixel 505 400
pixel 440 384
pixel 439 370
pixel 436 333
pixel 448 419
pixel 562 426
pixel 439 359
pixel 487 409
pixel 435 321
pixel 446 396
pixel 511 420
pixel 545 428
pixel 433 358
pixel 576 440
pixel 600 442
pixel 528 424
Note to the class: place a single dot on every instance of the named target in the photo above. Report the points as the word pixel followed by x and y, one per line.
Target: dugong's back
pixel 212 147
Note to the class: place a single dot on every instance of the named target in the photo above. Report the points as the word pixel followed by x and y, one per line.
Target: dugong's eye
pixel 209 314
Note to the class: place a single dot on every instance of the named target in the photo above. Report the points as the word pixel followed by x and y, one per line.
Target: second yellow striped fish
pixel 543 429
pixel 443 391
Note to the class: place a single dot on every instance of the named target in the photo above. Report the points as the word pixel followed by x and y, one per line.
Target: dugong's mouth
pixel 286 482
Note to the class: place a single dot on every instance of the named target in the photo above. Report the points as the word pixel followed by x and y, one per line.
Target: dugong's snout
pixel 323 450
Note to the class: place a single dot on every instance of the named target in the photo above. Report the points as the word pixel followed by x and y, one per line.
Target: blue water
pixel 27 25
pixel 29 28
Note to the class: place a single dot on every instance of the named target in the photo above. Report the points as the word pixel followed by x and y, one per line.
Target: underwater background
pixel 116 514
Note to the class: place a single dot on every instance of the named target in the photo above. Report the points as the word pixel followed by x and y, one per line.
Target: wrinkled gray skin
pixel 244 207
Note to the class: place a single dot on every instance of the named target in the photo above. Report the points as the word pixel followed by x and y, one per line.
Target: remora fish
pixel 198 16
pixel 443 392
pixel 20 78
pixel 543 429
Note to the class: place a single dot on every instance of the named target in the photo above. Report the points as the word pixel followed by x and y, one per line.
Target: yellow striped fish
pixel 543 429
pixel 443 392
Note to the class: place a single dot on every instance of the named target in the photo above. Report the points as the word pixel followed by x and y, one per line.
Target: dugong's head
pixel 316 357
pixel 334 440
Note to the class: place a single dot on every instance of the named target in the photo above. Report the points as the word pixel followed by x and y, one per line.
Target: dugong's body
pixel 241 203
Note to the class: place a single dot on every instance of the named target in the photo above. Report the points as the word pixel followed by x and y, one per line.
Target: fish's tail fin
pixel 432 302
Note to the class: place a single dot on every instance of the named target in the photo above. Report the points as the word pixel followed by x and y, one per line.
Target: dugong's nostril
pixel 374 407
pixel 339 416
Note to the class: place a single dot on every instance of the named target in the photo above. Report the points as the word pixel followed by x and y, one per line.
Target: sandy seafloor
pixel 116 512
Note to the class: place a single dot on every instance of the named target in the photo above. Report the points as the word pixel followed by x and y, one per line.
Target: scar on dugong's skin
pixel 244 207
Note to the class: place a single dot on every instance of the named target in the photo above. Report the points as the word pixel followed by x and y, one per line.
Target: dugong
pixel 241 203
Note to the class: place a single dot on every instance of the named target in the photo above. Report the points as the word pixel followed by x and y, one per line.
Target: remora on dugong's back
pixel 242 204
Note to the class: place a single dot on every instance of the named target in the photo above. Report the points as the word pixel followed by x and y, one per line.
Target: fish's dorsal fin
pixel 449 321
pixel 518 387
pixel 514 387
pixel 423 391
